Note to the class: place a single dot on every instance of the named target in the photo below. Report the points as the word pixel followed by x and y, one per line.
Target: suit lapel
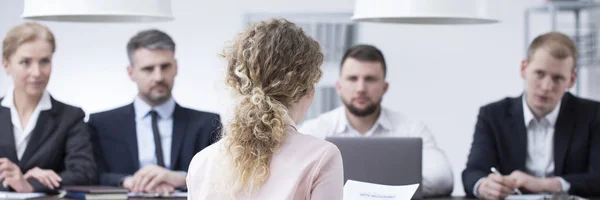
pixel 44 127
pixel 130 134
pixel 563 131
pixel 180 119
pixel 7 144
pixel 518 135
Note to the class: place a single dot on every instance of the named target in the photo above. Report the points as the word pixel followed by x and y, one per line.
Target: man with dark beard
pixel 147 146
pixel 361 87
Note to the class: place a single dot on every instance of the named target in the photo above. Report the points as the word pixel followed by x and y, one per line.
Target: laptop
pixel 382 160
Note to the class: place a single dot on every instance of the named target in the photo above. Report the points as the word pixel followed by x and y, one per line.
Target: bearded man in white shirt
pixel 361 88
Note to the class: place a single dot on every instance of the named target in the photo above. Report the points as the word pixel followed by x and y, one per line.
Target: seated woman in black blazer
pixel 44 144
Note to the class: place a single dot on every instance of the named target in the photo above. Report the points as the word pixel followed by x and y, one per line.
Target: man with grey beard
pixel 361 88
pixel 147 146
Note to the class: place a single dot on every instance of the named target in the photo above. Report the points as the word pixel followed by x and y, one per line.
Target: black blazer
pixel 500 141
pixel 115 140
pixel 60 141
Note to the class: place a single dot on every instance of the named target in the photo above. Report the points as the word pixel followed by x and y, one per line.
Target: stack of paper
pixel 541 197
pixel 158 195
pixel 15 195
pixel 356 190
pixel 529 197
pixel 95 192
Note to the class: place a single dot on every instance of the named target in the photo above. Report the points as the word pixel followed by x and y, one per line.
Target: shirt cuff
pixel 122 180
pixel 477 186
pixel 183 172
pixel 565 185
pixel 184 187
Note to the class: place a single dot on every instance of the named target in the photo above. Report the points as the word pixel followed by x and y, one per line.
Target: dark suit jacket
pixel 115 140
pixel 60 141
pixel 500 141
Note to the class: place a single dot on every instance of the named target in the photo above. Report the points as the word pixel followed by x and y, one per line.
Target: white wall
pixel 439 74
pixel 591 75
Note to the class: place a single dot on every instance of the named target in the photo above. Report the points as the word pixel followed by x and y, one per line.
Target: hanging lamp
pixel 423 11
pixel 98 10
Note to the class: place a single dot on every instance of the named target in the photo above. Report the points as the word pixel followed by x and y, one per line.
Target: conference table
pixel 136 198
pixel 183 198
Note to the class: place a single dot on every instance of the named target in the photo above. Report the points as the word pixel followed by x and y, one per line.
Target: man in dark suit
pixel 147 146
pixel 545 141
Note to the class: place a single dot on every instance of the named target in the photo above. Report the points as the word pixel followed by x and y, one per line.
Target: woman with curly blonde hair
pixel 272 67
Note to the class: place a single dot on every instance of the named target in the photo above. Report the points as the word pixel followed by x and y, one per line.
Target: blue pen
pixel 499 174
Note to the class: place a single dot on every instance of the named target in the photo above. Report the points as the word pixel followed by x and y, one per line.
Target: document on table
pixel 157 195
pixel 16 195
pixel 528 197
pixel 357 190
pixel 540 197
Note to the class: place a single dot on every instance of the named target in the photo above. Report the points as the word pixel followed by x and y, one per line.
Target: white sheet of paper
pixel 16 195
pixel 174 194
pixel 357 190
pixel 536 197
pixel 526 197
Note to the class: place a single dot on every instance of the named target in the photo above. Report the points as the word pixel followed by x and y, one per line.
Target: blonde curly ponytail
pixel 270 66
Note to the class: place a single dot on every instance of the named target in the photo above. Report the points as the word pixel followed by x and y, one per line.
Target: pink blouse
pixel 305 167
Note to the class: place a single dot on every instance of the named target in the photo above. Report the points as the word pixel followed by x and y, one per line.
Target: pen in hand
pixel 499 174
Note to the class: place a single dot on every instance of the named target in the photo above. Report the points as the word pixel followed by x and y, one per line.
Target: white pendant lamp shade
pixel 423 11
pixel 98 10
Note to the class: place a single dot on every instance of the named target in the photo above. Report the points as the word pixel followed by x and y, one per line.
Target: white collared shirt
pixel 382 127
pixel 437 172
pixel 540 143
pixel 145 136
pixel 22 134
